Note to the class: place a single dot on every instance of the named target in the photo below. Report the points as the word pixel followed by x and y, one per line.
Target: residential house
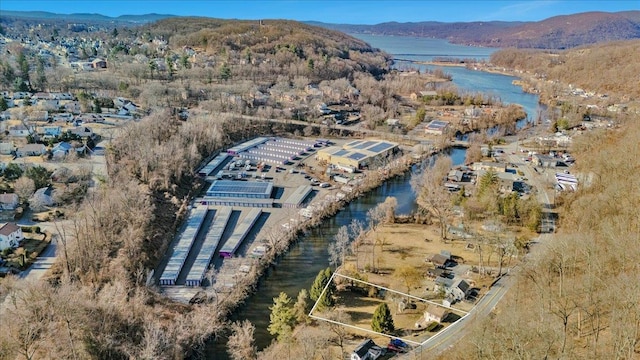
pixel 131 108
pixel 39 116
pixel 6 148
pixel 45 100
pixel 368 350
pixel 50 132
pixel 438 260
pixel 63 117
pixel 82 65
pixel 73 107
pixel 61 150
pixel 62 96
pixel 433 313
pixel 99 63
pixel 9 201
pixel 21 95
pixel 41 199
pixel 10 236
pixel 84 132
pixel 442 284
pixel 20 130
pixel 458 290
pixel 31 150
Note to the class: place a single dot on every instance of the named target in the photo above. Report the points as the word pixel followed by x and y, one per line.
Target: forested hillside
pixel 605 68
pixel 578 296
pixel 275 46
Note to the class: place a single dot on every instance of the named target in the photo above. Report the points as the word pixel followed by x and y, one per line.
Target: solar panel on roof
pixel 357 156
pixel 365 145
pixel 341 153
pixel 380 147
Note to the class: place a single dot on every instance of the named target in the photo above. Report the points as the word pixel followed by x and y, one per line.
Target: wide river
pixel 298 268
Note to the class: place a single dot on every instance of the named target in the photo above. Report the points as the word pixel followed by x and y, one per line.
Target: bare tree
pixel 241 342
pixel 432 196
pixel 24 188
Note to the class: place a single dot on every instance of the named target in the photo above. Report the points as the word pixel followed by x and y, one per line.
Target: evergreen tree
pixel 3 104
pixel 319 283
pixel 488 180
pixel 40 176
pixel 300 307
pixel 382 320
pixel 282 317
pixel 12 172
pixel 23 64
pixel 225 72
pixel 323 278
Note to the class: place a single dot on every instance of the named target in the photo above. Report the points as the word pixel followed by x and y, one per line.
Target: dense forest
pixel 578 297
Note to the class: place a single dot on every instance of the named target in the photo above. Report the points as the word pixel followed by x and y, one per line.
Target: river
pixel 298 268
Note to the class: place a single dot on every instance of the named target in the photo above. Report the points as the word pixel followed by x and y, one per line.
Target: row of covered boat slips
pixel 211 242
pixel 240 233
pixel 181 251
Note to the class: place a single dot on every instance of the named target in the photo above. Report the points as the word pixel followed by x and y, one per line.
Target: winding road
pixel 446 339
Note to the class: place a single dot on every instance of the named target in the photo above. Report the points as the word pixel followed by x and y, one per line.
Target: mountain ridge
pixel 558 32
pixel 137 19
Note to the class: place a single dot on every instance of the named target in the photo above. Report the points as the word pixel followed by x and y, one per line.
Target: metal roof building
pixel 240 189
pixel 213 164
pixel 436 127
pixel 182 248
pixel 240 233
pixel 357 153
pixel 236 201
pixel 247 145
pixel 273 150
pixel 202 261
pixel 296 199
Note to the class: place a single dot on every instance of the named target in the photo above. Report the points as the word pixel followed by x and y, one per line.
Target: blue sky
pixel 334 11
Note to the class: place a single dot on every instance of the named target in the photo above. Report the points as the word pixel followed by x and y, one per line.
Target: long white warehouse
pixel 202 261
pixel 181 251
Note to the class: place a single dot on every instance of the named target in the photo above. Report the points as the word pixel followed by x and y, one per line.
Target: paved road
pixel 456 331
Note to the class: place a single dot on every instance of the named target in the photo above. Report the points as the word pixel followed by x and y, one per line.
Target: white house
pixel 458 290
pixel 10 236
